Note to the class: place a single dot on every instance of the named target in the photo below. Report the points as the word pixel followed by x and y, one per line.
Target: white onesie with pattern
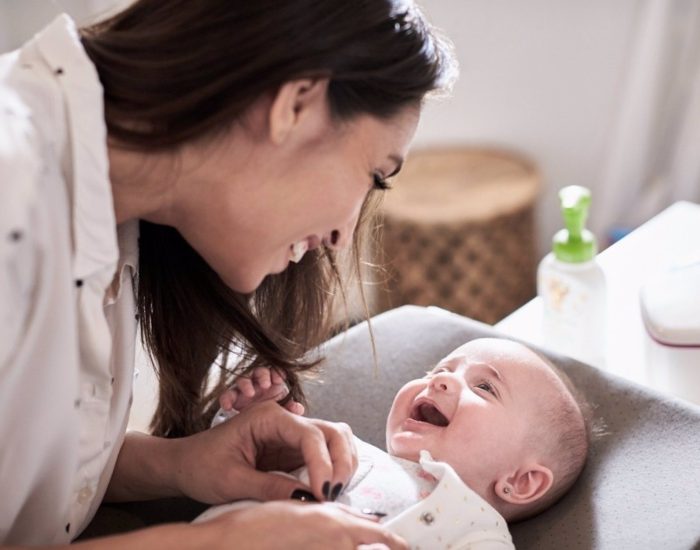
pixel 426 503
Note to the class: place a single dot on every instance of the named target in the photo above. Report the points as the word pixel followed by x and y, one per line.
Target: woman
pixel 166 165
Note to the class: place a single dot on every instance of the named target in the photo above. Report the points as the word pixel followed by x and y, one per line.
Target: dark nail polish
pixel 370 512
pixel 336 490
pixel 326 489
pixel 304 496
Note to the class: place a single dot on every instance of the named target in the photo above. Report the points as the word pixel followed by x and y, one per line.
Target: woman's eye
pixel 380 183
pixel 487 386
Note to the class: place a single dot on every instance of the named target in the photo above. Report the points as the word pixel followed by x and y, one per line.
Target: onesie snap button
pixel 427 518
pixel 84 495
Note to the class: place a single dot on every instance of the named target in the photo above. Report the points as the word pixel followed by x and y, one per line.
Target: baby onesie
pixel 426 503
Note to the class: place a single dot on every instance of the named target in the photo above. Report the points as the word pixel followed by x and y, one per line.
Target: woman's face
pixel 301 181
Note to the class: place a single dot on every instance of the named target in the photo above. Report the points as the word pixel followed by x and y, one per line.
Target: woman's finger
pixel 314 451
pixel 365 513
pixel 367 532
pixel 270 433
pixel 343 455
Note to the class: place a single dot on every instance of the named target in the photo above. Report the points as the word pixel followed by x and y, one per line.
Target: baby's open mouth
pixel 427 412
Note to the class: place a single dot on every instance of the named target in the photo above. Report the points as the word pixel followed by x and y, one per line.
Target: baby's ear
pixel 525 485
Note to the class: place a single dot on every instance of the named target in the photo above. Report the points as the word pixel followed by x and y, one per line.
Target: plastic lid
pixel 575 243
pixel 671 306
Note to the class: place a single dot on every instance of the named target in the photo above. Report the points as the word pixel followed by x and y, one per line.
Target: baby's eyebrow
pixel 493 371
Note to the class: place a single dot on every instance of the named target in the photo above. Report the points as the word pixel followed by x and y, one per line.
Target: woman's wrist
pixel 148 467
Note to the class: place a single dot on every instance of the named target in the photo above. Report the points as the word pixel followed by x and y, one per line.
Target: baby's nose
pixel 443 382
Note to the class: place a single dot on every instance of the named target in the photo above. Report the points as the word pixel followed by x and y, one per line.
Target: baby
pixel 492 434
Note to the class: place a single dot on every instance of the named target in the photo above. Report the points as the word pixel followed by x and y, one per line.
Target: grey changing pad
pixel 641 486
pixel 640 489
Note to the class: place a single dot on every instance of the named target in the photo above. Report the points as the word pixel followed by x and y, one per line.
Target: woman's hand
pixel 223 464
pixel 261 527
pixel 307 526
pixel 261 385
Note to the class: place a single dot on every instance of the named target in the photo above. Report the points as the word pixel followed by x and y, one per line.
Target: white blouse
pixel 67 312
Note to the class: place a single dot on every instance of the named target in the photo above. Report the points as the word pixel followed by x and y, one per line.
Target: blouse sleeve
pixel 20 168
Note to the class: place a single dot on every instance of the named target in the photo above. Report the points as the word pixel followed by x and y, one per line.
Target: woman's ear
pixel 299 106
pixel 525 485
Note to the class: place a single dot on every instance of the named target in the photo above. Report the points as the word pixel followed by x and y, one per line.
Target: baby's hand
pixel 261 385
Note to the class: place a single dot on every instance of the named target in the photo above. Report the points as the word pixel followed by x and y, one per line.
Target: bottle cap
pixel 575 243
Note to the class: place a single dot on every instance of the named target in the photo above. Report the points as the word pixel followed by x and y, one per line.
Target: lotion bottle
pixel 572 285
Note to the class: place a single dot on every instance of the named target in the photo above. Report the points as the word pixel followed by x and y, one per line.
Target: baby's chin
pixel 402 447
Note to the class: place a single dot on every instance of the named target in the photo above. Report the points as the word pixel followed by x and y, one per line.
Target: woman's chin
pixel 244 284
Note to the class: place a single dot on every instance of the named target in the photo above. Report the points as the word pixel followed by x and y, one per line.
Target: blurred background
pixel 597 93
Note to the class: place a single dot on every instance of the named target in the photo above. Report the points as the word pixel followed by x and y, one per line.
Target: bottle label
pixel 574 317
pixel 564 296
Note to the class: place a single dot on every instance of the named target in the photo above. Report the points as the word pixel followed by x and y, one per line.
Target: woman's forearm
pixel 146 468
pixel 175 535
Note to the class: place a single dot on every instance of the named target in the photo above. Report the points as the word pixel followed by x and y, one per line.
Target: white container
pixel 572 285
pixel 574 312
pixel 670 308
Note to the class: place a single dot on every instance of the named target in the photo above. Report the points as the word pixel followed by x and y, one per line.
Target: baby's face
pixel 475 410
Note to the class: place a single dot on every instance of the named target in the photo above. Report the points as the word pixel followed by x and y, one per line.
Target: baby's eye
pixel 487 386
pixel 437 370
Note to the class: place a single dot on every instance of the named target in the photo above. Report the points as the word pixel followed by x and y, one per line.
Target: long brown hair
pixel 181 70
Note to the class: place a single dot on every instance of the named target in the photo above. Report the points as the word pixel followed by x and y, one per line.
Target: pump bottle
pixel 572 285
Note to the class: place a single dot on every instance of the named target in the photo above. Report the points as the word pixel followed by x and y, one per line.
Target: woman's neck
pixel 143 185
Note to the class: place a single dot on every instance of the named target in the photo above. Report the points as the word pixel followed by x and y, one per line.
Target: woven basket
pixel 458 232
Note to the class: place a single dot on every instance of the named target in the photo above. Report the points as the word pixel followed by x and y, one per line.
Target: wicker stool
pixel 458 233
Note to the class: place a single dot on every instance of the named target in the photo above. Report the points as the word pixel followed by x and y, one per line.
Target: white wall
pixel 543 77
pixel 20 19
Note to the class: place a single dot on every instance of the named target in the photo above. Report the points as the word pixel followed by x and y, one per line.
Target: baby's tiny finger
pixel 261 375
pixel 228 398
pixel 295 408
pixel 276 377
pixel 245 386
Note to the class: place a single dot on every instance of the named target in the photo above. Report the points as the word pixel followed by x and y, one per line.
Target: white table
pixel 663 241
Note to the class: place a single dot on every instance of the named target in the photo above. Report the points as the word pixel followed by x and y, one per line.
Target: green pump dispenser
pixel 574 244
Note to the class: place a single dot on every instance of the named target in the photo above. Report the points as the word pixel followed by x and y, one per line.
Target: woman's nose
pixel 333 240
pixel 340 238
